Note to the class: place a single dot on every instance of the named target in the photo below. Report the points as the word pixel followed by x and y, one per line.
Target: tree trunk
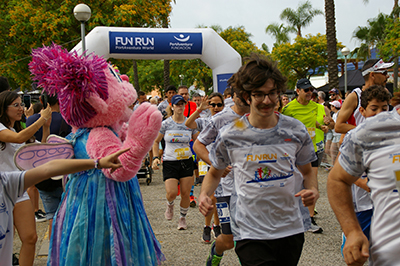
pixel 396 59
pixel 135 75
pixel 166 73
pixel 331 43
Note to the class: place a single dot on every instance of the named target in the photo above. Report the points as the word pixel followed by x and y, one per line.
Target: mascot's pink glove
pixel 143 128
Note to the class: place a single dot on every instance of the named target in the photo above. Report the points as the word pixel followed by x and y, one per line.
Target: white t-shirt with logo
pixel 374 147
pixel 177 137
pixel 208 136
pixel 7 159
pixel 11 187
pixel 263 205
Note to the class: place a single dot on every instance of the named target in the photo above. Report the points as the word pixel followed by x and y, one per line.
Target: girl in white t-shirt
pixel 177 159
pixel 214 103
pixel 12 136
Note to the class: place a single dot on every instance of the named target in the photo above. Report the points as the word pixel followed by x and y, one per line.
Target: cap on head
pixel 334 91
pixel 379 65
pixel 304 84
pixel 337 104
pixel 177 98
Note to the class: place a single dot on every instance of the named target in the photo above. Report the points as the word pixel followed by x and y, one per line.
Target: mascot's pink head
pixel 91 93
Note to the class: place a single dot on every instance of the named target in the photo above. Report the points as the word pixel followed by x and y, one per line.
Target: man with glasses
pixel 306 111
pixel 374 72
pixel 271 155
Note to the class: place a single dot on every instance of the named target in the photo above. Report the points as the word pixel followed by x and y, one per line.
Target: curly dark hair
pixel 396 99
pixel 257 70
pixel 374 92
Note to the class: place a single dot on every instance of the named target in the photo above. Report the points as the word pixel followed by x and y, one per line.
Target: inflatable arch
pixel 158 43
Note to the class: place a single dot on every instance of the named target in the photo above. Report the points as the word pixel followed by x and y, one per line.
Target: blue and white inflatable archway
pixel 156 43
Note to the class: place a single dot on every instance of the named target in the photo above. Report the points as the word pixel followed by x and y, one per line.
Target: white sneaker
pixel 169 212
pixel 182 223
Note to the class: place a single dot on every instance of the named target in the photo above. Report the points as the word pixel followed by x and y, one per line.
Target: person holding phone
pixel 12 136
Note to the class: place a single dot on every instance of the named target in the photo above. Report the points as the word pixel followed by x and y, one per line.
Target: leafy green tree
pixel 301 17
pixel 371 35
pixel 280 32
pixel 28 24
pixel 307 56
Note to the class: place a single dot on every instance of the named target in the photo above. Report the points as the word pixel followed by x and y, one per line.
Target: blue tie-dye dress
pixel 101 221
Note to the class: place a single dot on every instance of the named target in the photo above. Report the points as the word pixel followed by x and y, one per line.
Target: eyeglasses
pixel 216 104
pixel 383 72
pixel 16 105
pixel 259 97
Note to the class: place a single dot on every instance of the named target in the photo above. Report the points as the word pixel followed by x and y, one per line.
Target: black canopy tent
pixel 354 80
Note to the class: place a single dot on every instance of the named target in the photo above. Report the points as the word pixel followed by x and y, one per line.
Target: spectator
pixel 50 190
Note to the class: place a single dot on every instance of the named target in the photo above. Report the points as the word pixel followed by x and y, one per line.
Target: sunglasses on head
pixel 216 104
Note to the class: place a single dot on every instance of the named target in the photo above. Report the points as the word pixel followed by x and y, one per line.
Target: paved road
pixel 186 247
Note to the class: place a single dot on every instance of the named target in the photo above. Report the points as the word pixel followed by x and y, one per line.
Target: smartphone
pixel 27 100
pixel 44 99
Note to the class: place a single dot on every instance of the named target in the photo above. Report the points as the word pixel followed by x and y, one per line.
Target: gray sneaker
pixel 207 234
pixel 314 227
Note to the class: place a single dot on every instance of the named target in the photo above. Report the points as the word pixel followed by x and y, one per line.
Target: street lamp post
pixel 82 13
pixel 181 77
pixel 345 52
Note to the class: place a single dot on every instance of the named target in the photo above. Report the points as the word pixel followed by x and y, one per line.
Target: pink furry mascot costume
pixel 101 219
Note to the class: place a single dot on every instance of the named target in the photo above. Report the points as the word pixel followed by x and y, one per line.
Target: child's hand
pixel 112 161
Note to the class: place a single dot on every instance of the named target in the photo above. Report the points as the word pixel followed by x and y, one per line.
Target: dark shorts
pixel 317 162
pixel 224 214
pixel 177 169
pixel 278 252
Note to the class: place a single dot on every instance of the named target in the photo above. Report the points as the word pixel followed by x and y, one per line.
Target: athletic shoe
pixel 314 227
pixel 169 212
pixel 40 217
pixel 192 202
pixel 216 230
pixel 182 223
pixel 15 260
pixel 213 259
pixel 315 212
pixel 207 234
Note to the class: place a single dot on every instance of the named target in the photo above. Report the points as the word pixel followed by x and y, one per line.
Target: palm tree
pixel 331 43
pixel 301 17
pixel 280 33
pixel 395 15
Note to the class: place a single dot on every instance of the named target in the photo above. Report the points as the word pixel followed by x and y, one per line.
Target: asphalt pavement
pixel 186 248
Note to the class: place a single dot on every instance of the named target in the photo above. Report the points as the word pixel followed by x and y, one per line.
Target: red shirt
pixel 190 108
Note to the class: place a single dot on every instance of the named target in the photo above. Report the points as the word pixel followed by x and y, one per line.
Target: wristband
pixel 96 164
pixel 156 157
pixel 198 110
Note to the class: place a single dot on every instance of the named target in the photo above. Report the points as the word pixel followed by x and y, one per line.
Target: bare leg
pixel 223 243
pixel 34 195
pixel 186 185
pixel 24 221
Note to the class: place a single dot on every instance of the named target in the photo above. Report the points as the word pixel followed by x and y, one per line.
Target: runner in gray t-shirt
pixel 271 156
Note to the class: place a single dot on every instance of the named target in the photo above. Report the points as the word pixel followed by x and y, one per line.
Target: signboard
pixel 223 81
pixel 155 43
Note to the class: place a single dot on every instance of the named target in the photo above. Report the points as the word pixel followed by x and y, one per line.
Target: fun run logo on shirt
pixel 263 174
pixel 395 157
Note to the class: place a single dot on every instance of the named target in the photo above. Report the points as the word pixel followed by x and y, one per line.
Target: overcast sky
pixel 256 15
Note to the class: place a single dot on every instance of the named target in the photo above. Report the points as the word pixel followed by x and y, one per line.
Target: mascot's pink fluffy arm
pixel 143 129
